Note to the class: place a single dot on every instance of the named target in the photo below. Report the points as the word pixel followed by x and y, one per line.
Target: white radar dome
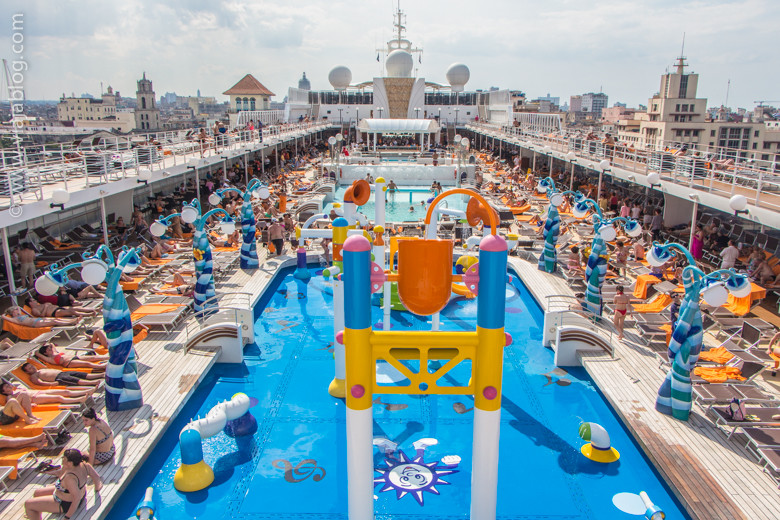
pixel 340 77
pixel 399 64
pixel 457 76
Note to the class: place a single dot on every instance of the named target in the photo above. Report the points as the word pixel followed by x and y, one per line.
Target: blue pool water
pixel 398 204
pixel 295 465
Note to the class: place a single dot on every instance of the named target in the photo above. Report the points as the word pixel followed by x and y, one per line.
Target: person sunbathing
pixel 763 273
pixel 17 316
pixel 49 310
pixel 37 442
pixel 27 397
pixel 13 411
pixel 51 355
pixel 52 377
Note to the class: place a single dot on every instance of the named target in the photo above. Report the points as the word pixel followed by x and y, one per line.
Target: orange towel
pixel 22 332
pixel 160 261
pixel 718 355
pixel 658 304
pixel 20 429
pixel 668 329
pixel 517 210
pixel 524 218
pixel 643 281
pixel 11 457
pixel 224 249
pixel 718 374
pixel 153 308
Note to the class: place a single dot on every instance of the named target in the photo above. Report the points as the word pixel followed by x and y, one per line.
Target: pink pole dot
pixel 340 337
pixel 489 392
pixel 507 338
pixel 358 391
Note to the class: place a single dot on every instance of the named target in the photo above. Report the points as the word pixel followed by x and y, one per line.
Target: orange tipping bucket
pixel 424 275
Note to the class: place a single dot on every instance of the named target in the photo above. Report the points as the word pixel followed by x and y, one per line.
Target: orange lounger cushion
pixel 21 429
pixel 661 302
pixel 132 286
pixel 224 249
pixel 25 378
pixel 22 332
pixel 154 308
pixel 11 457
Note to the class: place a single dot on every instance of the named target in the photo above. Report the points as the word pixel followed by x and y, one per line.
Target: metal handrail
pixel 561 305
pixel 24 175
pixel 694 169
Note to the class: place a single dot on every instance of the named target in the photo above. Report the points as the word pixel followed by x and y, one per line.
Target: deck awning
pixel 398 126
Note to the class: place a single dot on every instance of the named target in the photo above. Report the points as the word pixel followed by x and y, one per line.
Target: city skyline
pixel 564 48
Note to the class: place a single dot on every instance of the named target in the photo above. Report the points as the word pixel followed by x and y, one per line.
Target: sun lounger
pixel 761 438
pixel 10 457
pixel 50 424
pixel 730 374
pixel 713 394
pixel 756 417
pixel 658 304
pixel 166 321
pixel 771 459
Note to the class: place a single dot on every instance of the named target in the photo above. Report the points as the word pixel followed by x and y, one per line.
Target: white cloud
pixel 563 47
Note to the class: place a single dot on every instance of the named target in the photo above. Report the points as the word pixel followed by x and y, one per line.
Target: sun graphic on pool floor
pixel 414 476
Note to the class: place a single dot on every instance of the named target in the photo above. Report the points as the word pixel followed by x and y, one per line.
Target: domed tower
pixel 147 116
pixel 304 83
pixel 399 94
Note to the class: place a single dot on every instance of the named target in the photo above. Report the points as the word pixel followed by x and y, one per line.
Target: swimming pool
pixel 295 465
pixel 398 204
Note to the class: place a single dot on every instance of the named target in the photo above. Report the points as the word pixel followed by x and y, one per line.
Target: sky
pixel 564 47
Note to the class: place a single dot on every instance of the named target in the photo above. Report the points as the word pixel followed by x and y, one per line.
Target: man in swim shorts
pixel 51 377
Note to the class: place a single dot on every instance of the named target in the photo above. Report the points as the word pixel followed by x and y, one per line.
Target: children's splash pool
pixel 294 466
pixel 406 204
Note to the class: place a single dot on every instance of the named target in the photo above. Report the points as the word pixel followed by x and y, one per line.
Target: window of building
pixel 767 146
pixel 676 119
pixel 696 133
pixel 678 133
pixel 251 103
pixel 238 104
pixel 755 145
pixel 143 102
pixel 712 134
pixel 683 87
pixel 755 134
pixel 677 107
pixel 687 133
pixel 765 157
pixel 655 107
pixel 684 108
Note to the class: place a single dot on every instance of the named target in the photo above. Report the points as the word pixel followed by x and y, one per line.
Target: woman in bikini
pixel 51 355
pixel 67 493
pixel 101 438
pixel 17 316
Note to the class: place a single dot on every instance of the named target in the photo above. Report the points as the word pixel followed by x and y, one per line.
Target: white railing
pixel 267 117
pixel 25 173
pixel 715 172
